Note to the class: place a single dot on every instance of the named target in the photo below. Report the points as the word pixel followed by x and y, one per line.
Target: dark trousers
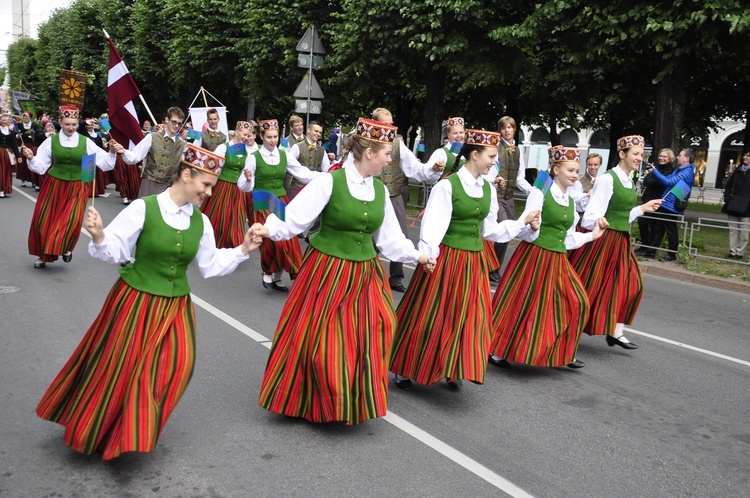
pixel 646 228
pixel 506 211
pixel 399 201
pixel 665 223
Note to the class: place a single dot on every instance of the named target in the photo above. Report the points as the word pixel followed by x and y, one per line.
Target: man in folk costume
pixel 60 207
pixel 309 154
pixel 403 165
pixel 162 152
pixel 212 136
pixel 509 174
pixel 296 135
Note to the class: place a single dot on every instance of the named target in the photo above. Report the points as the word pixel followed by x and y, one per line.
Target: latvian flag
pixel 121 90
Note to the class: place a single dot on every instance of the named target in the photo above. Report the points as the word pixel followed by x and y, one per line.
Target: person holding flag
pixel 607 267
pixel 329 359
pixel 227 206
pixel 60 207
pixel 125 378
pixel 265 170
pixel 445 156
pixel 541 306
pixel 677 186
pixel 444 320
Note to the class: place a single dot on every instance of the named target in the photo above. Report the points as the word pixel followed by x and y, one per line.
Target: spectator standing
pixel 653 190
pixel 737 207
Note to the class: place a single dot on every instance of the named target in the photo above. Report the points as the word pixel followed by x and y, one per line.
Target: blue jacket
pixel 684 173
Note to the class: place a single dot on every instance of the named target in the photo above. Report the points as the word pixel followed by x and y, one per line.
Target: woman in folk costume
pixel 541 306
pixel 28 129
pixel 607 267
pixel 329 359
pixel 8 146
pixel 265 170
pixel 444 322
pixel 227 207
pixel 60 207
pixel 125 378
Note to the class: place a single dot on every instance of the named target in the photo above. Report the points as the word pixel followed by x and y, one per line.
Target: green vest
pixel 449 162
pixel 465 229
pixel 163 158
pixel 210 142
pixel 509 157
pixel 347 223
pixel 233 166
pixel 393 176
pixel 270 177
pixel 309 158
pixel 66 161
pixel 622 201
pixel 169 252
pixel 556 221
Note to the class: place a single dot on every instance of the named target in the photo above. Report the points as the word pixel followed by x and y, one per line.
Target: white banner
pixel 198 117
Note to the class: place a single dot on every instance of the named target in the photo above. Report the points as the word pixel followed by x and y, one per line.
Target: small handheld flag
pixel 264 200
pixel 284 143
pixel 194 134
pixel 236 150
pixel 88 168
pixel 420 147
pixel 456 147
pixel 681 190
pixel 543 182
pixel 104 125
pixel 497 165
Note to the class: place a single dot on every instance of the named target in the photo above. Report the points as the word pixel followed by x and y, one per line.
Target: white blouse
pixel 272 157
pixel 437 215
pixel 42 161
pixel 221 150
pixel 310 201
pixel 325 165
pixel 122 234
pixel 600 196
pixel 535 202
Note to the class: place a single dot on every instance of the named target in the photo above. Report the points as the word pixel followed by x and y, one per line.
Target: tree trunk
pixel 433 107
pixel 671 99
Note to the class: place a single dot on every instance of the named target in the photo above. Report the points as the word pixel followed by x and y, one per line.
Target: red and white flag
pixel 121 91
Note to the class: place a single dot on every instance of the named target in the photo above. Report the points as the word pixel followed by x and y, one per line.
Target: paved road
pixel 661 421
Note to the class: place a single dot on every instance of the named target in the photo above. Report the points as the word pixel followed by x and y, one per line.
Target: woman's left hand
pixel 427 262
pixel 251 242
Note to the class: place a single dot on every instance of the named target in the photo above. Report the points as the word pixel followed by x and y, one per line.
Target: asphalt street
pixel 668 419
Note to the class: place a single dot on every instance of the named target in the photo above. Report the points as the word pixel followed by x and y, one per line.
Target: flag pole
pixel 148 109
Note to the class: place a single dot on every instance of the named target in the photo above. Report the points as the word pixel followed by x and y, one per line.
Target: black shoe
pixel 495 277
pixel 275 286
pixel 67 257
pixel 669 257
pixel 576 363
pixel 498 362
pixel 39 263
pixel 403 382
pixel 455 385
pixel 398 288
pixel 611 341
pixel 639 251
pixel 37 188
pixel 648 254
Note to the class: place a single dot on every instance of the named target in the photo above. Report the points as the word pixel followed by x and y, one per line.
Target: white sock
pixel 497 358
pixel 267 278
pixel 618 333
pixel 277 276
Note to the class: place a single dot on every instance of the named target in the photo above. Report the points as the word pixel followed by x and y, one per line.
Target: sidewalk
pixel 677 272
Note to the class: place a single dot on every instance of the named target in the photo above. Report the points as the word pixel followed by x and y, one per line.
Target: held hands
pixel 248 174
pixel 533 219
pixel 427 262
pixel 501 182
pixel 651 206
pixel 597 231
pixel 438 166
pixel 259 232
pixel 26 152
pixel 602 223
pixel 331 156
pixel 93 224
pixel 251 242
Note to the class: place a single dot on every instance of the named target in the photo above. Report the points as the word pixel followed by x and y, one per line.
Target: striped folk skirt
pixel 539 309
pixel 329 359
pixel 117 391
pixel 444 324
pixel 127 179
pixel 103 178
pixel 227 210
pixel 58 216
pixel 613 281
pixel 493 263
pixel 284 255
pixel 6 171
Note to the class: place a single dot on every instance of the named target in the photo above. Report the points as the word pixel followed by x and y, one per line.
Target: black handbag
pixel 737 205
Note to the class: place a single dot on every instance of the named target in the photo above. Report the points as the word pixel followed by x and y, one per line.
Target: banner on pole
pixel 72 87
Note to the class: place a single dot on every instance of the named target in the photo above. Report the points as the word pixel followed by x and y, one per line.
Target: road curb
pixel 662 270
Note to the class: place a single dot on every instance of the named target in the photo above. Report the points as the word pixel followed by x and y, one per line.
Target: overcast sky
pixel 39 11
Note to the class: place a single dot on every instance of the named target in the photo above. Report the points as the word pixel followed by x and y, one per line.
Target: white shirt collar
pixel 269 153
pixel 353 176
pixel 73 139
pixel 622 175
pixel 509 144
pixel 468 178
pixel 168 205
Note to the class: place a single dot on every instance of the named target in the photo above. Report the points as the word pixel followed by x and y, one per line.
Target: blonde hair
pixel 504 121
pixel 595 156
pixel 380 110
pixel 358 146
pixel 295 119
pixel 670 154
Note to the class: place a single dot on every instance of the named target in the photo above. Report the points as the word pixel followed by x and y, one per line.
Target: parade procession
pixel 418 295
